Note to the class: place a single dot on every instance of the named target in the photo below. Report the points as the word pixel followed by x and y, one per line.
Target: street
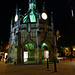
pixel 63 68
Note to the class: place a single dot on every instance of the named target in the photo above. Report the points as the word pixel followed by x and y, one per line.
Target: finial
pixel 51 12
pixel 51 16
pixel 72 13
pixel 32 0
pixel 29 1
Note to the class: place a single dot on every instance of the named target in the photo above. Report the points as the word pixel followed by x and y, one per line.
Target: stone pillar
pixel 22 55
pixel 40 56
pixel 19 53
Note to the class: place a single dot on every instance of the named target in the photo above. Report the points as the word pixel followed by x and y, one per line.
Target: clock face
pixel 44 16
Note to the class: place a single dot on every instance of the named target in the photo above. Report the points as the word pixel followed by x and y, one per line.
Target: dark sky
pixel 60 8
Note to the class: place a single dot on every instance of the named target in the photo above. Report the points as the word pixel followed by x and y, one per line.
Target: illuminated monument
pixel 31 39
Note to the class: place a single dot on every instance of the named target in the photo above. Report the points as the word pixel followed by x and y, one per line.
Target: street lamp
pixel 47 56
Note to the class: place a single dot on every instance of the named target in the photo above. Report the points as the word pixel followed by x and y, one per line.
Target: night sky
pixel 60 8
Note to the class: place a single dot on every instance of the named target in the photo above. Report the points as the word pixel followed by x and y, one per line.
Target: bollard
pixel 47 65
pixel 55 69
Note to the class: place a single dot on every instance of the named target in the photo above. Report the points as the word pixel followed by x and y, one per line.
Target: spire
pixel 32 4
pixel 17 9
pixel 72 13
pixel 51 18
pixel 11 24
pixel 52 27
pixel 16 16
pixel 71 8
pixel 43 6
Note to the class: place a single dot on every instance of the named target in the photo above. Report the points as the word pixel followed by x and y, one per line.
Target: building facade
pixel 31 36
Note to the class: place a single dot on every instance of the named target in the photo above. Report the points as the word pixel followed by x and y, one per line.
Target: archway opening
pixel 45 51
pixel 28 52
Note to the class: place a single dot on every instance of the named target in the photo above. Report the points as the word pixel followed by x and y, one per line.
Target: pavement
pixel 63 68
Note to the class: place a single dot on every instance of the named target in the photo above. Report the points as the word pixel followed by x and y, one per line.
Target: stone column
pixel 19 53
pixel 22 60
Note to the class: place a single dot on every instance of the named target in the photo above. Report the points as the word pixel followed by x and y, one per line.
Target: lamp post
pixel 46 53
pixel 55 69
pixel 47 61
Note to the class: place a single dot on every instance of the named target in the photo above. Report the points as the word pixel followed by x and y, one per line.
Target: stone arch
pixel 44 47
pixel 49 48
pixel 28 41
pixel 31 53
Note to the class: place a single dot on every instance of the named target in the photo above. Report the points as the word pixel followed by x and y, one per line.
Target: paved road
pixel 63 68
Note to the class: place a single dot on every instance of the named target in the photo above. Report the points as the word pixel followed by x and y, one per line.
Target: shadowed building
pixel 31 37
